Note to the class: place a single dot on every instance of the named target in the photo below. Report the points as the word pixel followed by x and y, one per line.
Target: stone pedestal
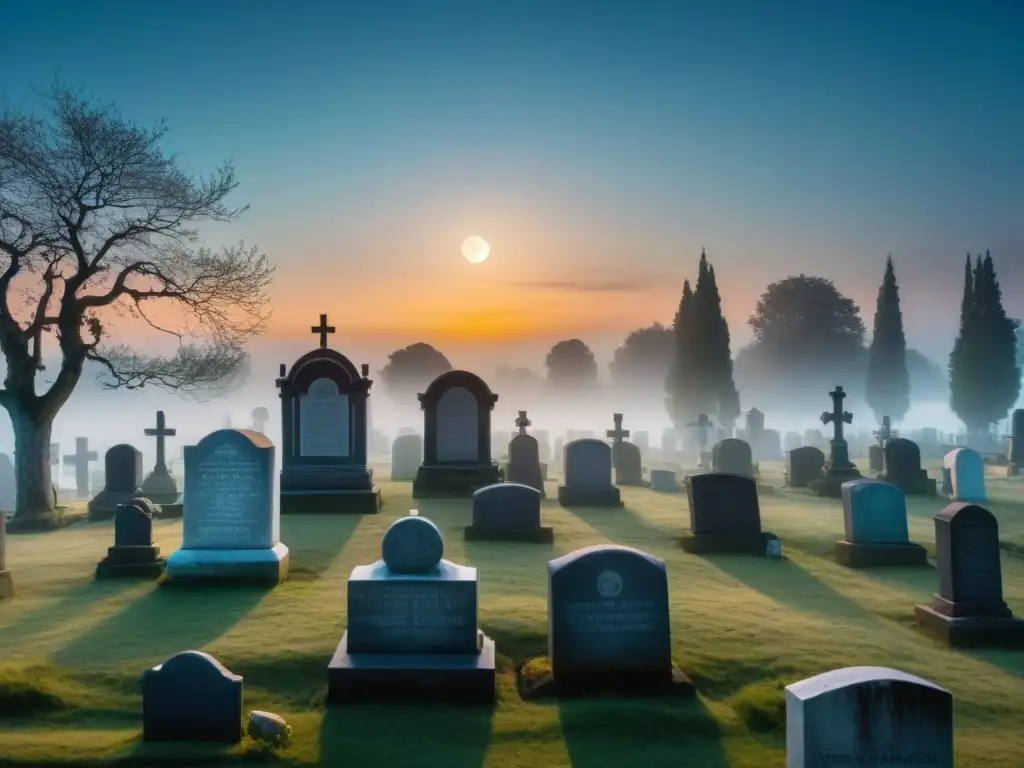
pixel 879 555
pixel 160 487
pixel 727 543
pixel 131 561
pixel 990 625
pixel 453 480
pixel 326 489
pixel 229 566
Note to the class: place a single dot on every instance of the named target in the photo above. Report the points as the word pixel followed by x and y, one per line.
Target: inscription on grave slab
pixel 976 564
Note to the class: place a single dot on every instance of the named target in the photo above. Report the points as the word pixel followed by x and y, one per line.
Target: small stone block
pixel 971 631
pixel 356 502
pixel 171 511
pixel 735 544
pixel 881 555
pixel 542 535
pixel 355 678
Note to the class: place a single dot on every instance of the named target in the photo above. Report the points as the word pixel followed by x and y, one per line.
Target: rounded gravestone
pixel 412 545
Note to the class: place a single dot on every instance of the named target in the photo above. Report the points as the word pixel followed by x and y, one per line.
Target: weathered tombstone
pixel 191 697
pixel 813 437
pixel 588 475
pixel 608 620
pixel 702 426
pixel 1015 449
pixel 80 461
pixel 903 468
pixel 230 529
pixel 838 468
pixel 412 624
pixel 669 441
pixel 507 512
pixel 456 445
pixel 663 481
pixel 875 521
pixel 805 466
pixel 524 458
pixel 324 406
pixel 969 609
pixel 625 456
pixel 133 553
pixel 642 440
pixel 6 582
pixel 159 485
pixel 725 516
pixel 868 716
pixel 966 475
pixel 876 453
pixel 122 481
pixel 260 415
pixel 8 484
pixel 733 457
pixel 406 455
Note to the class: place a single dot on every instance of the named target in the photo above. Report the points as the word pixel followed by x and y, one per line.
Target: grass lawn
pixel 72 650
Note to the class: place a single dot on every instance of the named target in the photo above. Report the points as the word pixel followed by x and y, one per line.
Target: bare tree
pixel 98 221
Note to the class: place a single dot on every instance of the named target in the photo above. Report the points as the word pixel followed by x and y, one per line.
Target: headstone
pixel 6 582
pixel 663 481
pixel 507 512
pixel 875 520
pixel 966 475
pixel 260 415
pixel 8 484
pixel 669 442
pixel 733 457
pixel 588 475
pixel 725 516
pixel 159 485
pixel 324 428
pixel 701 427
pixel 191 697
pixel 870 716
pixel 876 453
pixel 838 468
pixel 412 624
pixel 1015 450
pixel 625 456
pixel 230 529
pixel 903 468
pixel 608 618
pixel 805 465
pixel 80 461
pixel 524 458
pixel 406 455
pixel 122 481
pixel 969 609
pixel 133 553
pixel 456 445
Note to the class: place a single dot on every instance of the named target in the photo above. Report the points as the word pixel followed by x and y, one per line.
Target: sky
pixel 597 146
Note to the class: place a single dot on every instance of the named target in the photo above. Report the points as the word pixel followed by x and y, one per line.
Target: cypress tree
pixel 722 383
pixel 887 390
pixel 679 383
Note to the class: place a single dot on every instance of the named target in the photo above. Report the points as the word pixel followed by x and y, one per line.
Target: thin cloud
pixel 589 286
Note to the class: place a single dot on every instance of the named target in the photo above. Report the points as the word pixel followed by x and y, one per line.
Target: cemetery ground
pixel 72 650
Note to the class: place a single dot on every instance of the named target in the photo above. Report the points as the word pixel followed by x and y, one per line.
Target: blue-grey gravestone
pixel 663 481
pixel 966 475
pixel 507 512
pixel 608 613
pixel 230 528
pixel 588 475
pixel 875 522
pixel 133 553
pixel 191 697
pixel 868 716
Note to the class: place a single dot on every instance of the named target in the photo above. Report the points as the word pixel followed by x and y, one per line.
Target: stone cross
pixel 80 461
pixel 323 329
pixel 837 417
pixel 522 422
pixel 884 433
pixel 160 433
pixel 618 433
pixel 702 424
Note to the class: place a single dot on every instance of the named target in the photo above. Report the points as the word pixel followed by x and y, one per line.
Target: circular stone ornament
pixel 412 545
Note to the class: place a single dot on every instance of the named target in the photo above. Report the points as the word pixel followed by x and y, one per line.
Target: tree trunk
pixel 32 462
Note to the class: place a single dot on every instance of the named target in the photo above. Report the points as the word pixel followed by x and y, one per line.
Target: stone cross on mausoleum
pixel 323 329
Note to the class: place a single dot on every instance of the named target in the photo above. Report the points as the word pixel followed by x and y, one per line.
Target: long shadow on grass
pixel 611 733
pixel 624 525
pixel 450 515
pixel 315 542
pixel 405 734
pixel 162 622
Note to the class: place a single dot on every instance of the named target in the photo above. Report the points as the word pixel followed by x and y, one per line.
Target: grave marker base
pixel 881 555
pixel 831 484
pixel 171 511
pixel 724 543
pixel 104 504
pixel 355 678
pixel 574 496
pixel 228 566
pixel 131 562
pixel 535 680
pixel 361 502
pixel 970 632
pixel 542 535
pixel 919 486
pixel 6 585
pixel 453 481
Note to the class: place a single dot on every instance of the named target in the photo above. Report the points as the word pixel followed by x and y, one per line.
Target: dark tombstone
pixel 406 455
pixel 524 458
pixel 725 517
pixel 608 620
pixel 6 582
pixel 903 468
pixel 838 468
pixel 133 553
pixel 191 697
pixel 625 456
pixel 588 475
pixel 508 512
pixel 412 625
pixel 457 430
pixel 805 466
pixel 122 481
pixel 875 520
pixel 702 426
pixel 876 453
pixel 80 460
pixel 8 484
pixel 1015 451
pixel 159 485
pixel 733 457
pixel 324 428
pixel 969 609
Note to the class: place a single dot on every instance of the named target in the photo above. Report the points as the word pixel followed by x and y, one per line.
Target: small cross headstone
pixel 524 458
pixel 323 330
pixel 80 460
pixel 839 469
pixel 159 485
pixel 702 425
pixel 617 434
pixel 160 432
pixel 522 422
pixel 837 417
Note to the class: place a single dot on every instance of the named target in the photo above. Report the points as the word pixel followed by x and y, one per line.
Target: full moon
pixel 475 249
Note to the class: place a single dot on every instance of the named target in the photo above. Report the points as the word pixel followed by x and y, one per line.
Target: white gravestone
pixel 457 426
pixel 966 475
pixel 324 421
